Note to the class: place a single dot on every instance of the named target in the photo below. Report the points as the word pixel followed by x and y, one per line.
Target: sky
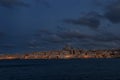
pixel 40 25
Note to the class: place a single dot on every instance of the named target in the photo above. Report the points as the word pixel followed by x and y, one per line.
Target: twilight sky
pixel 38 25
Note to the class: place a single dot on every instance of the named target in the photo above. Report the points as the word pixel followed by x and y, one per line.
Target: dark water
pixel 89 69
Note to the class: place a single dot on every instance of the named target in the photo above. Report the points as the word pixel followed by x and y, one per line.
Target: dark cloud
pixel 97 3
pixel 43 3
pixel 102 40
pixel 12 3
pixel 77 39
pixel 45 36
pixel 53 38
pixel 106 37
pixel 74 35
pixel 61 36
pixel 7 46
pixel 2 35
pixel 94 14
pixel 99 45
pixel 91 20
pixel 46 4
pixel 113 12
pixel 33 44
pixel 102 3
pixel 41 32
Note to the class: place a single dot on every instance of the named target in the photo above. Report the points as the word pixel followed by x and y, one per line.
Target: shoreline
pixel 64 54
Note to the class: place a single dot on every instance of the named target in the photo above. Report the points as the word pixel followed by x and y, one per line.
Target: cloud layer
pixel 113 12
pixel 91 20
pixel 81 26
pixel 13 3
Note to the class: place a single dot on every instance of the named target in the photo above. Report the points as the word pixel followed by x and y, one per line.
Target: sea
pixel 74 69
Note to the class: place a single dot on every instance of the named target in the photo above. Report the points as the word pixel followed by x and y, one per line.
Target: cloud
pixel 113 12
pixel 100 45
pixel 77 39
pixel 47 4
pixel 7 46
pixel 41 32
pixel 63 36
pixel 102 3
pixel 102 40
pixel 12 3
pixel 43 3
pixel 91 20
pixel 2 34
pixel 15 3
pixel 98 3
pixel 106 37
pixel 74 34
pixel 45 35
pixel 53 38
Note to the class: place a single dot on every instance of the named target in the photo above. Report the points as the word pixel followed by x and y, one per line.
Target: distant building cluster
pixel 66 53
